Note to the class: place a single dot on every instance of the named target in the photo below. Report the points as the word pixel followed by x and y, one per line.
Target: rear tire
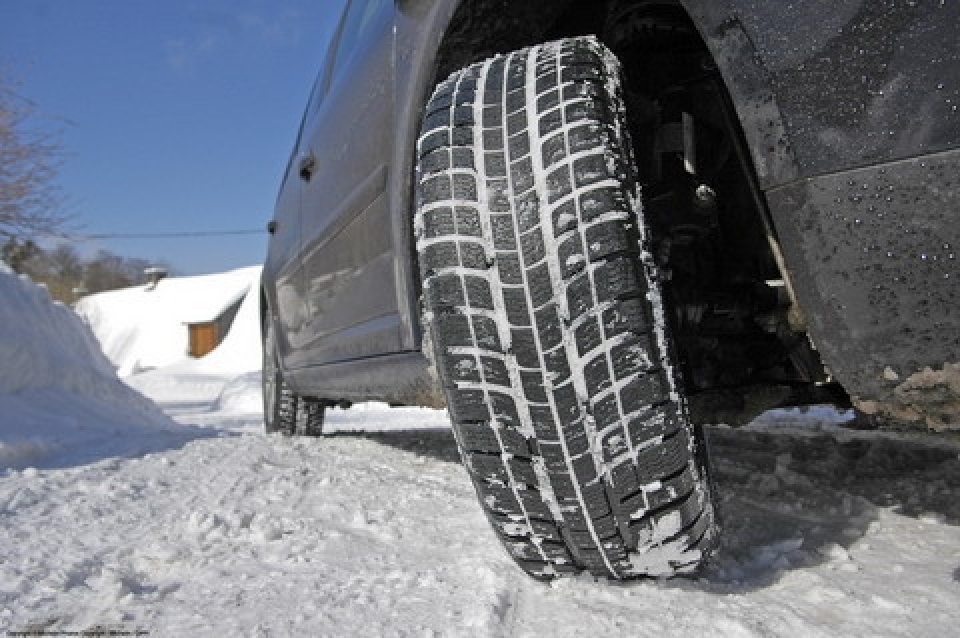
pixel 548 331
pixel 283 410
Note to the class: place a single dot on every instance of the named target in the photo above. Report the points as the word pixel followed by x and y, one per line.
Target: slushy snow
pixel 196 523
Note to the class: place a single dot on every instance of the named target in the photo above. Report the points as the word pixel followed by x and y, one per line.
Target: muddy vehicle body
pixel 587 228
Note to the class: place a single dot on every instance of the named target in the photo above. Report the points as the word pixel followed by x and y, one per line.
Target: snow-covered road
pixel 190 521
pixel 374 530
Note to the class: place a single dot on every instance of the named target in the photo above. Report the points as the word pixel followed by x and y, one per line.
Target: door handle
pixel 306 165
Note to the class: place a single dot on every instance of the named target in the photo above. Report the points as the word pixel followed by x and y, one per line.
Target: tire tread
pixel 574 434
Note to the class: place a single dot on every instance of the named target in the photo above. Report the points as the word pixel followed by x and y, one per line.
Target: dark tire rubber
pixel 544 313
pixel 283 410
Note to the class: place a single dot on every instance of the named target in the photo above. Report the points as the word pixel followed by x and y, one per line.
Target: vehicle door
pixel 284 262
pixel 348 252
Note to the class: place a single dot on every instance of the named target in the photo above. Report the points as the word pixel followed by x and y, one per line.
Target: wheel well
pixel 482 28
pixel 741 346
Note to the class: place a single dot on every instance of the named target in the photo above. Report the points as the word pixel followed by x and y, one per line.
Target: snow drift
pixel 58 392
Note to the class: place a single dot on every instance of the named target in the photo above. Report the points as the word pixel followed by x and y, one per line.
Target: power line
pixel 164 235
pixel 200 233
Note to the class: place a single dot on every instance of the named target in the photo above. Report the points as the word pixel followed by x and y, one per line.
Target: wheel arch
pixel 507 26
pixel 750 88
pixel 740 62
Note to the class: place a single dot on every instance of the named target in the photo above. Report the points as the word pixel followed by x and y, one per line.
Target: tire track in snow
pixel 380 534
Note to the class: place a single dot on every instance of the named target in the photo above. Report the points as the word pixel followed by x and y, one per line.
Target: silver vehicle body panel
pixel 819 88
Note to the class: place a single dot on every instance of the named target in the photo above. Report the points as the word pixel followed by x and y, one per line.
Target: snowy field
pixel 187 520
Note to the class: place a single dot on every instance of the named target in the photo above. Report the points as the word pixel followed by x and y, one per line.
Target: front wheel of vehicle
pixel 283 410
pixel 544 310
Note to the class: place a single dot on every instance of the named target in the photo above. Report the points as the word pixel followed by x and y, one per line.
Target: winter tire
pixel 545 317
pixel 283 410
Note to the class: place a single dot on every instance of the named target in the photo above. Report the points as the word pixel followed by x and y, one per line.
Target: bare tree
pixel 106 271
pixel 30 202
pixel 67 274
pixel 17 254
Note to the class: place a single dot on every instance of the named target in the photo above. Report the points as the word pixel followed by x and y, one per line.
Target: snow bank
pixel 58 392
pixel 143 328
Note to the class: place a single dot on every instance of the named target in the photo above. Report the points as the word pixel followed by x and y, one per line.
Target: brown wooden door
pixel 203 338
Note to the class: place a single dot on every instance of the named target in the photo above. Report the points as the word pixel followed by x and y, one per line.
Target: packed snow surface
pixel 374 529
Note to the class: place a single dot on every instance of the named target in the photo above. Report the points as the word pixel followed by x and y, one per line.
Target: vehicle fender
pixel 420 27
pixel 750 88
pixel 823 86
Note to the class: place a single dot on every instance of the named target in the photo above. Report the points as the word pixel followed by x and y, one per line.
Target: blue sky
pixel 178 115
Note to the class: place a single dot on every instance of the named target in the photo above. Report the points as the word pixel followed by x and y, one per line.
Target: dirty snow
pixel 215 529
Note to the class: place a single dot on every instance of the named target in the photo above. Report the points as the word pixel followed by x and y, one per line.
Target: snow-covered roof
pixel 184 299
pixel 141 328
